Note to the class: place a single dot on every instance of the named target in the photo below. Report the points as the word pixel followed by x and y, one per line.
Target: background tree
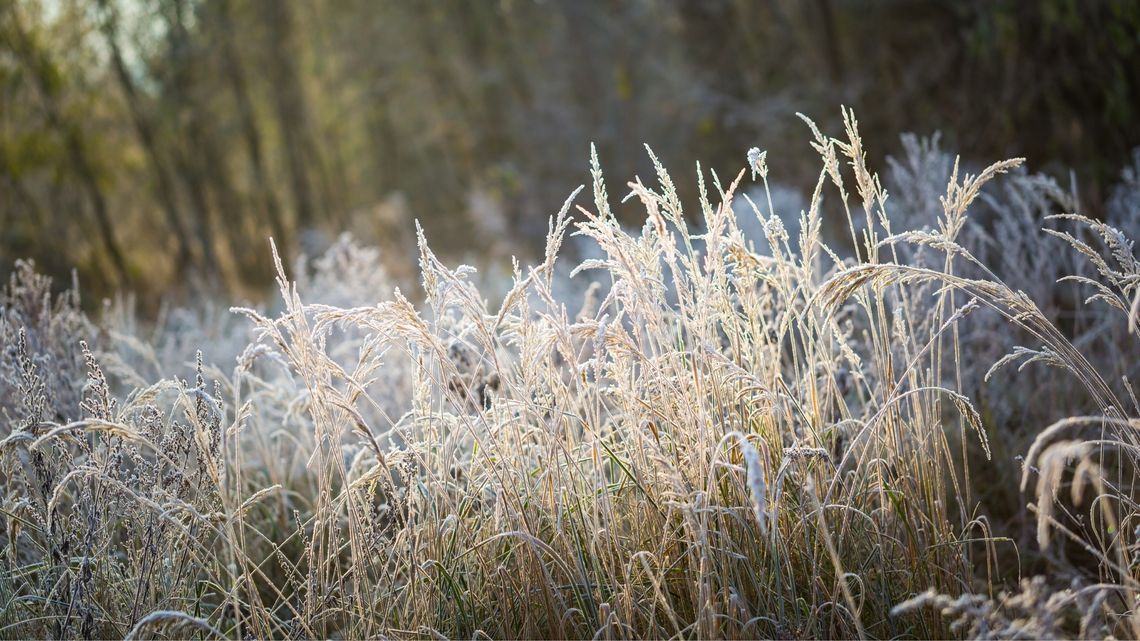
pixel 160 143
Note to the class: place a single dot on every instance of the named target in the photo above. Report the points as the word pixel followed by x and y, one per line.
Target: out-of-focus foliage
pixel 151 143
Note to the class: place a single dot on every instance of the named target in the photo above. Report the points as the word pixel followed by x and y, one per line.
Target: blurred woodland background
pixel 153 145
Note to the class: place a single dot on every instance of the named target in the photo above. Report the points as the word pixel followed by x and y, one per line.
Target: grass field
pixel 925 427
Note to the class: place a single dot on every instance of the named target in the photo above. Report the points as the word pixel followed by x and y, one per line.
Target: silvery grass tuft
pixel 729 436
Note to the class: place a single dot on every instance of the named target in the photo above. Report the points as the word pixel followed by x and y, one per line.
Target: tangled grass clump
pixel 733 436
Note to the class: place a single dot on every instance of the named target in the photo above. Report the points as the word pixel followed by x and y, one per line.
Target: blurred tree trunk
pixel 207 160
pixel 830 40
pixel 292 111
pixel 145 130
pixel 586 76
pixel 189 159
pixel 251 132
pixel 46 79
pixel 20 194
pixel 479 31
pixel 442 174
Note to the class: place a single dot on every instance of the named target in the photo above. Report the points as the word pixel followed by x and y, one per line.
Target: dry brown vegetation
pixel 721 436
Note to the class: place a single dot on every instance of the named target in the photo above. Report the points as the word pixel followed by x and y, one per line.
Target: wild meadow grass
pixel 927 427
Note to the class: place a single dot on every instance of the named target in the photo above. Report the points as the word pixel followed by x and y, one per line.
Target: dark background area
pixel 154 145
